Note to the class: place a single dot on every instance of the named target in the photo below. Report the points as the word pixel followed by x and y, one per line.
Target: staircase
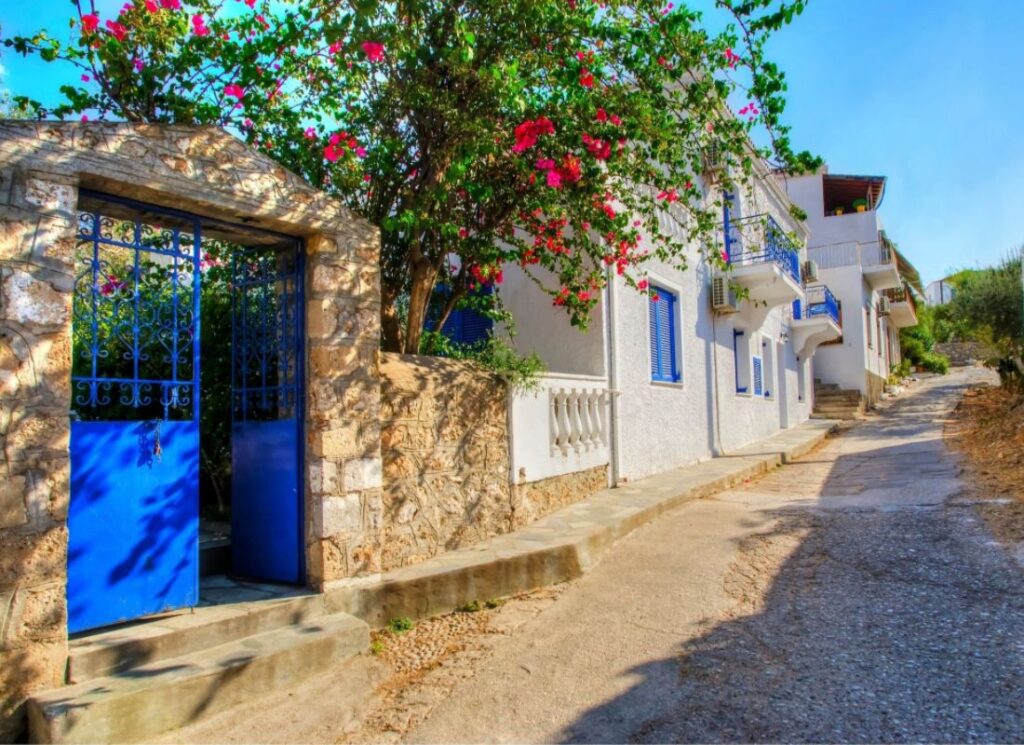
pixel 138 681
pixel 832 403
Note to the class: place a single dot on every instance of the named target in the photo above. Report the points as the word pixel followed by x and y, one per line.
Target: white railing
pixel 561 427
pixel 852 253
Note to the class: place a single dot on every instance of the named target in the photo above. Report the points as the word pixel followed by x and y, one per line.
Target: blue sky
pixel 926 92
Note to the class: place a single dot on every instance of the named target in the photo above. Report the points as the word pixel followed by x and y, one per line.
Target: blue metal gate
pixel 267 373
pixel 133 516
pixel 135 433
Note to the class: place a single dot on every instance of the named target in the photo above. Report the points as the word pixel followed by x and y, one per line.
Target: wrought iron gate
pixel 133 516
pixel 266 384
pixel 135 433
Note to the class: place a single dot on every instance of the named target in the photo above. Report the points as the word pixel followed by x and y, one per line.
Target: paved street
pixel 852 596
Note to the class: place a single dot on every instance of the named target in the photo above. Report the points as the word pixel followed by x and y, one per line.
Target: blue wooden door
pixel 133 520
pixel 267 373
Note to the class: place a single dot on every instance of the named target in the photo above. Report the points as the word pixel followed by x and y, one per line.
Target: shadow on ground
pixel 897 620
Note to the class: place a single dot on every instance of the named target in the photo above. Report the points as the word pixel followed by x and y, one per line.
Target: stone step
pixel 157 697
pixel 175 634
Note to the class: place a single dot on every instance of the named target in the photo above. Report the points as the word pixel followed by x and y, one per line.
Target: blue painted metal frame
pixel 777 248
pixel 133 518
pixel 821 302
pixel 267 427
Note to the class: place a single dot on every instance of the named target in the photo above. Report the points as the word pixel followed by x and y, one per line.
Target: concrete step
pixel 124 647
pixel 157 697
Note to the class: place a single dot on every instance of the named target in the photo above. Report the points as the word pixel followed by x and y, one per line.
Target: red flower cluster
pixel 235 90
pixel 600 149
pixel 118 30
pixel 731 58
pixel 199 26
pixel 374 51
pixel 336 146
pixel 89 23
pixel 603 116
pixel 526 134
pixel 558 175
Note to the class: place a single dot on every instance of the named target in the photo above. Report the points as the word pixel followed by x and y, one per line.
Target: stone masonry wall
pixel 36 239
pixel 444 444
pixel 43 165
pixel 445 449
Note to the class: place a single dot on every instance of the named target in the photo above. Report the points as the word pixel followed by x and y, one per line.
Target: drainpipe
pixel 612 365
pixel 717 451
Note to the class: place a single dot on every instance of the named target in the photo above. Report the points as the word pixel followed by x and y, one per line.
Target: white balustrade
pixel 561 427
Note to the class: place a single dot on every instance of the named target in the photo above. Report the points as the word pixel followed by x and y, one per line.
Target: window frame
pixel 674 377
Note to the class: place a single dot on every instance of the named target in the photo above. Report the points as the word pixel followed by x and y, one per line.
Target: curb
pixel 508 564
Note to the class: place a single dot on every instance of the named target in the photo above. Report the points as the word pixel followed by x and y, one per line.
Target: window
pixel 758 377
pixel 664 342
pixel 464 325
pixel 741 359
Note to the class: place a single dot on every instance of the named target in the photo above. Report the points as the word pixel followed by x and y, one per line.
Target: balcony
pixel 764 261
pixel 559 428
pixel 902 310
pixel 879 263
pixel 815 321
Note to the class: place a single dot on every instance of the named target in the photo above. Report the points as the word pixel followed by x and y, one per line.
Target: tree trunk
pixel 423 275
pixel 390 323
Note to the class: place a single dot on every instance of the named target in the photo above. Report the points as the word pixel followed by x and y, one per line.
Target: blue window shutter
pixel 467 326
pixel 758 382
pixel 662 317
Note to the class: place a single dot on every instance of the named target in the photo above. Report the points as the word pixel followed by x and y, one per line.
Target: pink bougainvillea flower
pixel 89 23
pixel 251 3
pixel 235 90
pixel 554 179
pixel 152 6
pixel 731 58
pixel 247 124
pixel 642 284
pixel 199 26
pixel 310 133
pixel 118 30
pixel 85 117
pixel 526 134
pixel 668 195
pixel 170 4
pixel 602 115
pixel 616 120
pixel 262 21
pixel 138 65
pixel 600 149
pixel 366 178
pixel 545 164
pixel 586 78
pixel 86 78
pixel 374 51
pixel 335 139
pixel 335 48
pixel 463 233
pixel 570 169
pixel 360 152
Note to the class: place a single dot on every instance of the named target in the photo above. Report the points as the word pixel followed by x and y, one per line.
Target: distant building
pixel 939 292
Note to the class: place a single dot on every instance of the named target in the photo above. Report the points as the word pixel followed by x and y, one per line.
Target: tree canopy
pixel 567 135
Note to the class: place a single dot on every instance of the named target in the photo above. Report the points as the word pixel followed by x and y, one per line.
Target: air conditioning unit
pixel 884 308
pixel 809 271
pixel 723 299
pixel 714 163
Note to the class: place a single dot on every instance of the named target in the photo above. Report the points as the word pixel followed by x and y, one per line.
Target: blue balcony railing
pixel 820 302
pixel 759 239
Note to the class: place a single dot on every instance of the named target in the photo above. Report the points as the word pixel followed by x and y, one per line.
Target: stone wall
pixel 534 500
pixel 445 449
pixel 965 352
pixel 205 171
pixel 444 442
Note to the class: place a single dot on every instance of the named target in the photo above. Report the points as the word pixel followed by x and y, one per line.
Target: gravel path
pixel 852 597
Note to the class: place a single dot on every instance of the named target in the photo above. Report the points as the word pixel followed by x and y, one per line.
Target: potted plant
pixel 839 210
pixel 861 205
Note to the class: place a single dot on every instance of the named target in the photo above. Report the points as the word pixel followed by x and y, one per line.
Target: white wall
pixel 543 328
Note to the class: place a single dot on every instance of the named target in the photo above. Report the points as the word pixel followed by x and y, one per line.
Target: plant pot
pixel 839 211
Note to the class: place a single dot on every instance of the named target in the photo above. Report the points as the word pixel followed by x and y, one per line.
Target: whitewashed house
pixel 655 385
pixel 869 277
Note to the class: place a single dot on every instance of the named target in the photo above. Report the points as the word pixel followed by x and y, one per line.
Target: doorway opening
pixel 187 399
